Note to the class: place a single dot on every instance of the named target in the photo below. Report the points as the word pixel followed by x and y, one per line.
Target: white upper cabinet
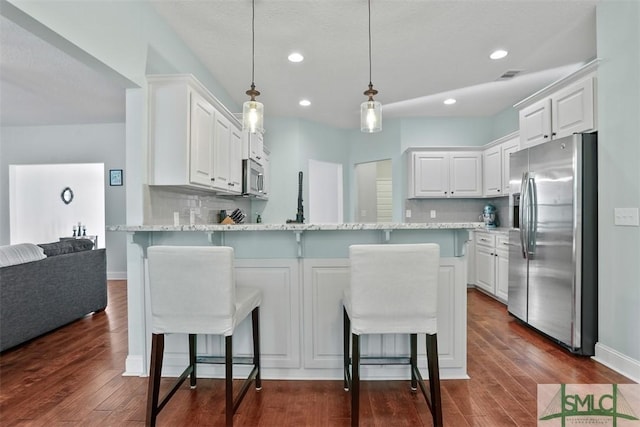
pixel 220 154
pixel 563 108
pixel 445 174
pixel 194 141
pixel 465 176
pixel 495 165
pixel 430 174
pixel 508 147
pixel 492 171
pixel 235 159
pixel 572 109
pixel 253 147
pixel 202 115
pixel 535 123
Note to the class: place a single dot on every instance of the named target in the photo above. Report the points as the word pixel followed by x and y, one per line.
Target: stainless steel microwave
pixel 252 179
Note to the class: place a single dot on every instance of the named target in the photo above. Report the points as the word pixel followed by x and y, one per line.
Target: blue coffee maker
pixel 490 216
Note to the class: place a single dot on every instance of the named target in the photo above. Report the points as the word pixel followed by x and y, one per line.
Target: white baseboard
pixel 617 361
pixel 116 275
pixel 134 367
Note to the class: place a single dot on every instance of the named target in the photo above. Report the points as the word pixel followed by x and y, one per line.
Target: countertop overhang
pixel 303 227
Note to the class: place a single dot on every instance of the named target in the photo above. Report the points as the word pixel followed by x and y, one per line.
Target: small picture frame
pixel 115 177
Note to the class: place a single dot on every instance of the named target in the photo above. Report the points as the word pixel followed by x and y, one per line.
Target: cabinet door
pixel 502 272
pixel 508 148
pixel 220 153
pixel 492 171
pixel 201 140
pixel 256 148
pixel 235 160
pixel 430 176
pixel 535 123
pixel 485 268
pixel 573 110
pixel 266 183
pixel 465 174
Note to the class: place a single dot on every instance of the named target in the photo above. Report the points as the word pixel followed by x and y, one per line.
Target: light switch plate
pixel 407 213
pixel 626 216
pixel 433 213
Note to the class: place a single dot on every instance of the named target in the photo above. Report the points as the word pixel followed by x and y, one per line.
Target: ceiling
pixel 423 51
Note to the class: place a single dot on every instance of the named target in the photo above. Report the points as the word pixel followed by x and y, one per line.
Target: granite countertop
pixel 303 227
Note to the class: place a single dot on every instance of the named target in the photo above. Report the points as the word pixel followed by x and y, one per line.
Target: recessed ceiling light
pixel 450 101
pixel 305 102
pixel 295 57
pixel 498 54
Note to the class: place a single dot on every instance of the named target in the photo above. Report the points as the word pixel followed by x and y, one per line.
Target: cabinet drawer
pixel 485 239
pixel 502 243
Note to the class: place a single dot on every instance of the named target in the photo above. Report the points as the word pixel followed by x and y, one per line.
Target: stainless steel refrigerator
pixel 553 275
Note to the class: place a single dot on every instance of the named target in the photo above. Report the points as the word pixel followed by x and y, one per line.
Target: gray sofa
pixel 40 296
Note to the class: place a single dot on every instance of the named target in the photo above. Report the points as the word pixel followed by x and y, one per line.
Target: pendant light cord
pixel 253 41
pixel 369 1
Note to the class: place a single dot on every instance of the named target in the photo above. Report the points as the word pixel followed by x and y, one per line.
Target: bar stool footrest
pixel 220 360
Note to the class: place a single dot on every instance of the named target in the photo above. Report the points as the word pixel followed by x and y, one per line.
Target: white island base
pixel 302 271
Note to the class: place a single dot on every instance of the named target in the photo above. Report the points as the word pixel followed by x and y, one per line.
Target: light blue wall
pixel 618 33
pixel 446 131
pixel 505 123
pixel 292 143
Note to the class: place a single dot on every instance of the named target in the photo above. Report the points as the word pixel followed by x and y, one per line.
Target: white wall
pixel 100 143
pixel 38 212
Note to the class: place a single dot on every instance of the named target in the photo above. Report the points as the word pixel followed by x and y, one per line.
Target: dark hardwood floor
pixel 73 377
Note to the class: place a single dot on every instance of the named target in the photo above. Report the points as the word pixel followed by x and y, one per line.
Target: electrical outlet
pixel 433 213
pixel 626 216
pixel 407 213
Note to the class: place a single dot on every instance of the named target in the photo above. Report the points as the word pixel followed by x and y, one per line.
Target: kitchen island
pixel 302 270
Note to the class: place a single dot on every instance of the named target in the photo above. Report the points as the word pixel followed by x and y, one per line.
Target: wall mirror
pixel 67 195
pixel 374 191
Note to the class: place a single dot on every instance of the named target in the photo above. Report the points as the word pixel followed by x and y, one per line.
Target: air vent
pixel 509 74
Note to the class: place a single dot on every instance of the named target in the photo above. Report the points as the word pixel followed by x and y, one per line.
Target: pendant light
pixel 252 110
pixel 370 110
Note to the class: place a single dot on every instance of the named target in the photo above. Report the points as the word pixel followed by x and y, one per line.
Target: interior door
pixel 551 263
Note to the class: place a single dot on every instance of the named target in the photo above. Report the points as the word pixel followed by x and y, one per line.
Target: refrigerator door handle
pixel 523 216
pixel 533 219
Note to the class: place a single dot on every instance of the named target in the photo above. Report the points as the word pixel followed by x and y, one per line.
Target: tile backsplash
pixel 163 202
pixel 455 210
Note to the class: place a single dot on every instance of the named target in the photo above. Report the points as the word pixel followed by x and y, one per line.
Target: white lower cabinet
pixel 502 267
pixel 492 263
pixel 301 324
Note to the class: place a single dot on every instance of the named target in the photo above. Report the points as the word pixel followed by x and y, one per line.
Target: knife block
pixel 228 221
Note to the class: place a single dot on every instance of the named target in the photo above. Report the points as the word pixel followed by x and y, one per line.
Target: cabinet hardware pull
pixel 546 136
pixel 213 179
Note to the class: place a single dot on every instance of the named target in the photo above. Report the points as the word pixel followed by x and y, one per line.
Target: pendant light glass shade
pixel 253 116
pixel 371 116
pixel 252 110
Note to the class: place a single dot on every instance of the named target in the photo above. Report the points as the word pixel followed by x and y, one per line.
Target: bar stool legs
pixel 155 405
pixel 432 396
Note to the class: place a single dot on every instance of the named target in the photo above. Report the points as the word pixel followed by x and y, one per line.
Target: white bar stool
pixel 193 291
pixel 393 290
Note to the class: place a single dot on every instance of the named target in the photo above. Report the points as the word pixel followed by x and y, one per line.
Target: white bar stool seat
pixel 193 291
pixel 393 289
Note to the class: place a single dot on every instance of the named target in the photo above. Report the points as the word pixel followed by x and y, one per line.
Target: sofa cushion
pixel 20 254
pixel 66 246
